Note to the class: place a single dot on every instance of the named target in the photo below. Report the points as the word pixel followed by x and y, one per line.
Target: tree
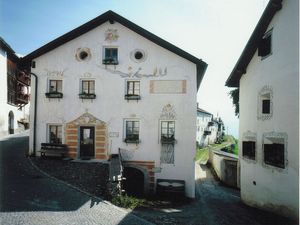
pixel 234 95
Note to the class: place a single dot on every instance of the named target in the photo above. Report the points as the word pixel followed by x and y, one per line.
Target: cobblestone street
pixel 30 198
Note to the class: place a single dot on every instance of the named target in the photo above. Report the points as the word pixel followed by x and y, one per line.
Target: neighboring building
pixel 14 92
pixel 109 85
pixel 204 118
pixel 209 129
pixel 267 75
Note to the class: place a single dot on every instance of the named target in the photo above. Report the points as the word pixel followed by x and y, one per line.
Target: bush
pixel 126 201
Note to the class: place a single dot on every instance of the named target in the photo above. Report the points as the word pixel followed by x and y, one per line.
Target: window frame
pixel 267 37
pixel 134 95
pixel 89 94
pixel 49 133
pixel 110 59
pixel 266 93
pixel 126 137
pixel 275 138
pixel 167 139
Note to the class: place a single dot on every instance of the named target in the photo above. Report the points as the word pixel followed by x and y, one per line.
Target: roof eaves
pixel 251 46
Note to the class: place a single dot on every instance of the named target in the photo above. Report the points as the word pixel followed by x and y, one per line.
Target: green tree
pixel 234 95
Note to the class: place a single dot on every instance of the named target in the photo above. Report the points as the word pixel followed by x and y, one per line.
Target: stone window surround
pixel 278 135
pixel 250 136
pixel 264 91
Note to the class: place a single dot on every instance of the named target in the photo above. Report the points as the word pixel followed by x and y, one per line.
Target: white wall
pixel 275 189
pixel 4 107
pixel 110 106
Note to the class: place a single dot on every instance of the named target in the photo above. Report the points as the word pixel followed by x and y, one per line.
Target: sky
pixel 215 31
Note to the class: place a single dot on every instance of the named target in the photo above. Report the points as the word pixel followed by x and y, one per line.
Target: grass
pixel 202 154
pixel 126 201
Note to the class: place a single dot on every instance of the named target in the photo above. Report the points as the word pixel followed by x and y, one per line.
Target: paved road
pixel 28 197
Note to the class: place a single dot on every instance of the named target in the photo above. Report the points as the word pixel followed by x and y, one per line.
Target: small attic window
pixel 265 45
pixel 83 54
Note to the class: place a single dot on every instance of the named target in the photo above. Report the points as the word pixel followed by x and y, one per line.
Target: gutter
pixel 34 119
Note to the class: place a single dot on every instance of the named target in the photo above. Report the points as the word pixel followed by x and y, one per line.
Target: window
pixel 132 131
pixel 167 131
pixel 133 90
pixel 266 106
pixel 167 142
pixel 264 48
pixel 110 56
pixel 88 86
pixel 54 89
pixel 55 134
pixel 265 103
pixel 249 149
pixel 55 86
pixel 87 89
pixel 274 149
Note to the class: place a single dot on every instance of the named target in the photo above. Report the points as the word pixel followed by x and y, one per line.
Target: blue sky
pixel 213 30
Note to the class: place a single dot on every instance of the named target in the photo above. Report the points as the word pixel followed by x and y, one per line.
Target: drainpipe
pixel 34 119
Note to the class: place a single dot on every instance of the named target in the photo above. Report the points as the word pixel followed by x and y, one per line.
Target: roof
pixel 10 52
pixel 251 46
pixel 111 17
pixel 203 111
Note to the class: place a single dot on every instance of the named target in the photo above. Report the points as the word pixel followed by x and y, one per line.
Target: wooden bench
pixel 53 148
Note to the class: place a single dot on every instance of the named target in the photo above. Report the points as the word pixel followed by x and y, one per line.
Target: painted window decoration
pixel 110 56
pixel 274 150
pixel 132 90
pixel 87 89
pixel 83 54
pixel 249 149
pixel 132 131
pixel 54 89
pixel 138 55
pixel 265 103
pixel 265 45
pixel 167 142
pixel 55 134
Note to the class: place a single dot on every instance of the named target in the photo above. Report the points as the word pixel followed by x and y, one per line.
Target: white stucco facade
pixel 6 108
pixel 173 99
pixel 264 185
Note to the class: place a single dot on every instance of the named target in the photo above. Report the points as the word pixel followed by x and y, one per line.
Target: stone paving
pixel 31 198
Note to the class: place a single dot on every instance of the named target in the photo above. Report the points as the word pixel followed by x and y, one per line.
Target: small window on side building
pixel 249 149
pixel 265 45
pixel 110 56
pixel 274 150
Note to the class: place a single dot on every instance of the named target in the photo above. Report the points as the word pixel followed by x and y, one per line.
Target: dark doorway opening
pixel 134 183
pixel 87 142
pixel 11 121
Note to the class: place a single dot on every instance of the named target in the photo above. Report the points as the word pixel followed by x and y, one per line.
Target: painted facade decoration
pixel 267 75
pixel 117 90
pixel 111 35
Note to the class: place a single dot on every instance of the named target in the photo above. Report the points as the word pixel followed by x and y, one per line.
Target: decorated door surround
pixel 73 136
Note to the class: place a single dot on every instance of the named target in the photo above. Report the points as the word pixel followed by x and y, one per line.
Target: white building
pixel 14 92
pixel 204 123
pixel 210 130
pixel 110 84
pixel 267 75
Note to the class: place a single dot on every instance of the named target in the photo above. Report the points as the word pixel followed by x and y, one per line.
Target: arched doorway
pixel 11 122
pixel 134 183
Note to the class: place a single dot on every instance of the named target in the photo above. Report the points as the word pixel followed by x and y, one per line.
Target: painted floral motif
pixel 168 113
pixel 111 35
